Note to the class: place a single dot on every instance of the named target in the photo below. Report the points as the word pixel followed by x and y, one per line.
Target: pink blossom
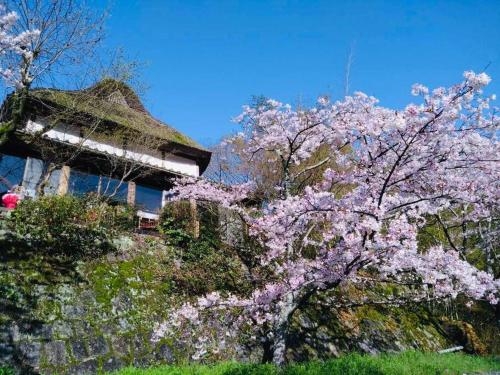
pixel 400 170
pixel 14 44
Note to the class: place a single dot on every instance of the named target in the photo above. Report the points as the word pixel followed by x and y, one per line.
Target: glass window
pixel 110 185
pixel 148 199
pixel 53 182
pixel 11 171
pixel 81 183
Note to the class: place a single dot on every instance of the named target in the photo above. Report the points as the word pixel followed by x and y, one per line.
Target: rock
pixel 89 366
pixel 108 329
pixel 120 345
pixel 140 345
pixel 124 325
pixel 121 304
pixel 323 333
pixel 62 330
pixel 4 334
pixel 112 364
pixel 82 328
pixel 6 353
pixel 87 298
pixel 142 361
pixel 365 347
pixel 306 323
pixel 30 353
pixel 463 334
pixel 79 349
pixel 43 331
pixel 72 311
pixel 98 345
pixel 15 335
pixel 55 353
pixel 164 354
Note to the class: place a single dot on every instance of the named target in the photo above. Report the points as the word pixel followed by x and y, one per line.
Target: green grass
pixel 6 371
pixel 409 363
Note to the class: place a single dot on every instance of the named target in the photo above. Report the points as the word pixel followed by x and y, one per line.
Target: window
pixel 110 185
pixel 148 199
pixel 11 171
pixel 81 183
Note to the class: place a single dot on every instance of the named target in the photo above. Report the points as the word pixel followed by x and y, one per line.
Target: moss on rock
pixel 65 316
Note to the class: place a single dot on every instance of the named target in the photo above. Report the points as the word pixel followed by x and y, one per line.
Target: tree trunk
pixel 280 331
pixel 44 180
pixel 292 301
pixel 267 351
pixel 279 344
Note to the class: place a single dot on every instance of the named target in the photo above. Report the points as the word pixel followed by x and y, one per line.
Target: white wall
pixel 71 134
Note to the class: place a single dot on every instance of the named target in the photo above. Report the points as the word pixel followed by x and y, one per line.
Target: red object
pixel 147 223
pixel 10 200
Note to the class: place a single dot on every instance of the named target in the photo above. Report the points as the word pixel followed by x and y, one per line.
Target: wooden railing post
pixel 194 217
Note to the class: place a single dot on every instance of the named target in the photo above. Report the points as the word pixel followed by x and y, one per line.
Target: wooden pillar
pixel 194 217
pixel 131 193
pixel 62 188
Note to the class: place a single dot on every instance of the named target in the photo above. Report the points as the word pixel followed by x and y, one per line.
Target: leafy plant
pixel 176 225
pixel 206 263
pixel 70 225
pixel 6 371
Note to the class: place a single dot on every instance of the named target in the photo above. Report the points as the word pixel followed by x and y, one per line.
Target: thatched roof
pixel 114 102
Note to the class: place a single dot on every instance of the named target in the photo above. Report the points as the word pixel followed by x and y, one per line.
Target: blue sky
pixel 205 59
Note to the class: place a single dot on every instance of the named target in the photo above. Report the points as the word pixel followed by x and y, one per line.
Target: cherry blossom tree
pixel 394 171
pixel 42 42
pixel 68 34
pixel 14 42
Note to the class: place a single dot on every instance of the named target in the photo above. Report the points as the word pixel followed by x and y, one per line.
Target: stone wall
pixel 83 317
pixel 97 315
pixel 78 339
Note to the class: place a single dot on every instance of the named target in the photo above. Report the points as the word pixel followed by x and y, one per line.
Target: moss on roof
pixel 96 101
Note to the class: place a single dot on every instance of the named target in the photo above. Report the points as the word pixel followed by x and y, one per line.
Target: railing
pixel 148 224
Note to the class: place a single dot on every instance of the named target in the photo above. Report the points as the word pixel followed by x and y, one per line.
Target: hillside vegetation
pixel 69 306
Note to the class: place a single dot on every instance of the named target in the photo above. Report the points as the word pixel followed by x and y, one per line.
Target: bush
pixel 70 225
pixel 206 267
pixel 206 263
pixel 176 223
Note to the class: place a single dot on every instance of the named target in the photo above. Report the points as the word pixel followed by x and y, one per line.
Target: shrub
pixel 206 263
pixel 70 225
pixel 176 223
pixel 205 268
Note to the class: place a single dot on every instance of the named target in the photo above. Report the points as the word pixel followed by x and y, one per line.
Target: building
pixel 100 139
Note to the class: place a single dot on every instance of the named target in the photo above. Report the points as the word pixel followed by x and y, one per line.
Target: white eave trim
pixel 171 163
